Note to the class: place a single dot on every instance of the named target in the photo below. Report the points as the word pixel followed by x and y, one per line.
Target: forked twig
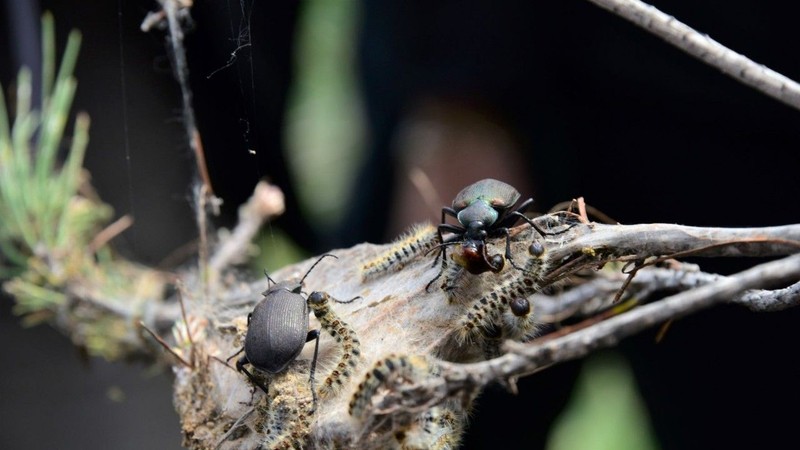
pixel 524 358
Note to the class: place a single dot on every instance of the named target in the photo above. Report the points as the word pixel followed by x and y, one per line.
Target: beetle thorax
pixel 287 286
pixel 476 217
pixel 478 214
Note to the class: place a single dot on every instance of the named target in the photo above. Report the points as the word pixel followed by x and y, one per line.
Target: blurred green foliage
pixel 45 227
pixel 325 127
pixel 40 214
pixel 605 412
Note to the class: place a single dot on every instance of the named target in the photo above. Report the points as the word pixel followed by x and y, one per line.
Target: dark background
pixel 596 107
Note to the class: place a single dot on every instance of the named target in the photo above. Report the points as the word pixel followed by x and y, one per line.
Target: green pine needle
pixel 47 225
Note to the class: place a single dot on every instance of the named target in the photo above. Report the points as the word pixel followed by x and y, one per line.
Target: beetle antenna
pixel 538 228
pixel 443 244
pixel 269 279
pixel 315 265
pixel 344 302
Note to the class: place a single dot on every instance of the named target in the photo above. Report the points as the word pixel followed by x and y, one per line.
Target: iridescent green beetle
pixel 483 210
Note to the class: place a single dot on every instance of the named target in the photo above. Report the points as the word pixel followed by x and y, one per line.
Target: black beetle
pixel 483 210
pixel 277 330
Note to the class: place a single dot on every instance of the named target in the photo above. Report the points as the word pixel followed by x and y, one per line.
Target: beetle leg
pixel 524 206
pixel 513 217
pixel 441 270
pixel 504 231
pixel 231 357
pixel 518 213
pixel 443 247
pixel 443 224
pixel 240 367
pixel 448 211
pixel 537 227
pixel 457 230
pixel 530 222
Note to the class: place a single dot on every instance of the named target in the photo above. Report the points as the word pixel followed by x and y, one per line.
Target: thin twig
pixel 266 202
pixel 175 11
pixel 668 239
pixel 165 345
pixel 201 195
pixel 769 301
pixel 110 232
pixel 708 50
pixel 192 352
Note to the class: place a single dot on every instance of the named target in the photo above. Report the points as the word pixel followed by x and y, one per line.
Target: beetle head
pixel 472 256
pixel 289 286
